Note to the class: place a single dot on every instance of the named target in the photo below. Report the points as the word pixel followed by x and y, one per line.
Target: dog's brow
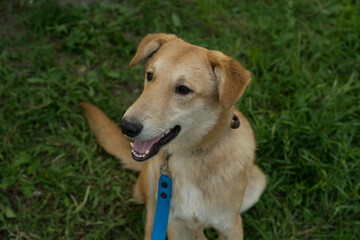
pixel 181 78
pixel 149 69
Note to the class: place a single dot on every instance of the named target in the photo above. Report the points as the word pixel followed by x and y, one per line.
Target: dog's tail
pixel 109 136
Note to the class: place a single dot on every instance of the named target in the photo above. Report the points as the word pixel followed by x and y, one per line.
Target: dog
pixel 186 111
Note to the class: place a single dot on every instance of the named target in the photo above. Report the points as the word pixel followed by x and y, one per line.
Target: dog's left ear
pixel 232 78
pixel 150 44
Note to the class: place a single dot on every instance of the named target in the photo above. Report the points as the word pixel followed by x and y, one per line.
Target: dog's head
pixel 186 90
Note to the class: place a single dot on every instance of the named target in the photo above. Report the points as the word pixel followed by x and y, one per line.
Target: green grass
pixel 303 103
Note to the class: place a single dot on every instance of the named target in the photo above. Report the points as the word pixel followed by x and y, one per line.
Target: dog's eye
pixel 182 90
pixel 149 76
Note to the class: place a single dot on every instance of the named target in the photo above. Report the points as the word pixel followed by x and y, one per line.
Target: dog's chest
pixel 192 204
pixel 188 203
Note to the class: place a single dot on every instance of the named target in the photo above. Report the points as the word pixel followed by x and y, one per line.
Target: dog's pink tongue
pixel 143 146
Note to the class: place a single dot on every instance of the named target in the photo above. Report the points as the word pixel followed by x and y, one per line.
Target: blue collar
pixel 163 203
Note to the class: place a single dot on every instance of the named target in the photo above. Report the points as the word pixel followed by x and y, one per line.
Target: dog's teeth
pixel 132 144
pixel 135 153
pixel 138 154
pixel 167 131
pixel 147 152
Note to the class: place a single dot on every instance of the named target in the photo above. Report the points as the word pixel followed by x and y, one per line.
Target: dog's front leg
pixel 149 186
pixel 178 230
pixel 233 232
pixel 198 234
pixel 150 216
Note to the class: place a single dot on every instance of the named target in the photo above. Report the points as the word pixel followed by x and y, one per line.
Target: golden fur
pixel 212 165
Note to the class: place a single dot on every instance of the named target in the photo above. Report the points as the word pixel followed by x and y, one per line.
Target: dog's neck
pixel 220 130
pixel 211 151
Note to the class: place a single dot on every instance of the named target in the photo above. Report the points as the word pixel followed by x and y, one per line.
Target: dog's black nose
pixel 130 129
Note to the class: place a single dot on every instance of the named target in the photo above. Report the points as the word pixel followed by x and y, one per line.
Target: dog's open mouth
pixel 143 150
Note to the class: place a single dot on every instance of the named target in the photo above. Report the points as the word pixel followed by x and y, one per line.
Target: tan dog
pixel 186 110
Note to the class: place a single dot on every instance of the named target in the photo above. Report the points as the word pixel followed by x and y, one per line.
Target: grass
pixel 303 103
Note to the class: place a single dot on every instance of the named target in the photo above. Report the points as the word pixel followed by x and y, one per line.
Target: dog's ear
pixel 232 78
pixel 150 44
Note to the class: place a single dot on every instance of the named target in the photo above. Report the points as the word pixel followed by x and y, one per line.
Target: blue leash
pixel 163 204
